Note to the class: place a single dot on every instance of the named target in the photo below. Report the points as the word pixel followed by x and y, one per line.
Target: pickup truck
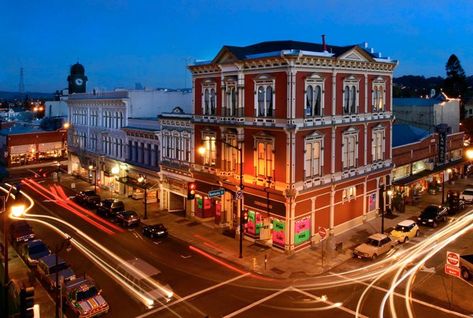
pixel 20 231
pixel 466 265
pixel 83 297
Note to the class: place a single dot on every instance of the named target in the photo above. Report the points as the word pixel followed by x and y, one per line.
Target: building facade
pixel 28 145
pixel 314 124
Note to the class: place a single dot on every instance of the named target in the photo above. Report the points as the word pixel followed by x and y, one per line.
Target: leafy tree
pixel 455 85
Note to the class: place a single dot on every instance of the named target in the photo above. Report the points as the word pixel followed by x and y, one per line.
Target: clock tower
pixel 77 79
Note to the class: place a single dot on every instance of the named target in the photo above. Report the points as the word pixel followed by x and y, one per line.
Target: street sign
pixel 453 259
pixel 239 195
pixel 322 232
pixel 452 270
pixel 216 193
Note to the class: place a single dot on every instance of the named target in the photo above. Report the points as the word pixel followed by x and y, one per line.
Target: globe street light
pixel 142 180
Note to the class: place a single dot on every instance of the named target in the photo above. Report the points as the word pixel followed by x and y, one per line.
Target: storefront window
pixel 302 230
pixel 401 172
pixel 254 224
pixel 279 235
pixel 372 202
pixel 418 166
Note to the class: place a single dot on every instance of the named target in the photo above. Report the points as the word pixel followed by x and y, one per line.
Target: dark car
pixel 110 207
pixel 20 231
pixel 32 251
pixel 432 215
pixel 155 231
pixel 87 198
pixel 128 218
pixel 48 266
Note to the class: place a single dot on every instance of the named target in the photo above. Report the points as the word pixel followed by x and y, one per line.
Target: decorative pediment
pixel 225 57
pixel 356 54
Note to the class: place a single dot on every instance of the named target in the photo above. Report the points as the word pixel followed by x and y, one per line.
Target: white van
pixel 467 195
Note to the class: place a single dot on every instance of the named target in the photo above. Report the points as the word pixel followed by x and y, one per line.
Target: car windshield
pixel 468 192
pixel 89 192
pixel 58 268
pixel 89 293
pixel 402 228
pixel 38 248
pixel 158 228
pixel 22 227
pixel 429 211
pixel 372 242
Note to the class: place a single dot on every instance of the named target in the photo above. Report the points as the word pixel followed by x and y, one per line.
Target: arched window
pixel 353 100
pixel 346 99
pixel 206 102
pixel 317 100
pixel 309 101
pixel 269 101
pixel 261 101
pixel 212 101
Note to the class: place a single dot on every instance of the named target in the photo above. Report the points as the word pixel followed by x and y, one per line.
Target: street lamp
pixel 66 243
pixel 381 206
pixel 202 150
pixel 448 171
pixel 91 168
pixel 17 210
pixel 142 180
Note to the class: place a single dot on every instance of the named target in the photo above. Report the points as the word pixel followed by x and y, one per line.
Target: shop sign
pixel 278 234
pixel 216 193
pixel 302 230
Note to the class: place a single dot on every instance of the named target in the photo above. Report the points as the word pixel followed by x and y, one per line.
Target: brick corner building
pixel 315 125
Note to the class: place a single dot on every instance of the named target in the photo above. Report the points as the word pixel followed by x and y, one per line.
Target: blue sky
pixel 122 42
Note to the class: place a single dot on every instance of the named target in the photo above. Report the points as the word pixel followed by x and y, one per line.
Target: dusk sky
pixel 123 42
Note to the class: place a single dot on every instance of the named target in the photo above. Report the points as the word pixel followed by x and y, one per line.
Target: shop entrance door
pixel 176 202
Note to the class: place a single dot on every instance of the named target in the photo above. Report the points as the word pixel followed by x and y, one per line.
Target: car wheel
pixel 444 219
pixel 417 234
pixel 434 224
pixel 406 239
pixel 374 257
pixel 465 274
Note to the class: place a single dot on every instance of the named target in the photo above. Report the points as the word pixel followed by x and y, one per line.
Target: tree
pixel 455 84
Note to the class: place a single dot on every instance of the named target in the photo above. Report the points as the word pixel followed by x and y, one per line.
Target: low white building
pixel 427 113
pixel 97 141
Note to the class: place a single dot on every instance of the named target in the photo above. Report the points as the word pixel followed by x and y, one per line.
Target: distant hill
pixel 417 86
pixel 16 95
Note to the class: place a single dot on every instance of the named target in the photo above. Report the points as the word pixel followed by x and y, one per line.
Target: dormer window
pixel 264 101
pixel 209 98
pixel 350 95
pixel 314 90
pixel 379 95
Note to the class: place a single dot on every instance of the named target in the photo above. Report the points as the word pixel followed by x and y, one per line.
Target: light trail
pixel 137 291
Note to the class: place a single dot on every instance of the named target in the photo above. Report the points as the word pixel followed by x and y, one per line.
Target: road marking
pixel 402 296
pixel 192 295
pixel 256 303
pixel 333 305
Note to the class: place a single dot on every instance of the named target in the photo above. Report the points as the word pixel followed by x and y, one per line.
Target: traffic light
pixel 27 302
pixel 245 216
pixel 191 191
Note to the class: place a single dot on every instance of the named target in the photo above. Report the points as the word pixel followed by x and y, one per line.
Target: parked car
pixel 128 218
pixel 20 231
pixel 87 198
pixel 32 251
pixel 155 231
pixel 405 230
pixel 47 270
pixel 376 245
pixel 467 195
pixel 83 297
pixel 454 202
pixel 466 265
pixel 110 207
pixel 432 215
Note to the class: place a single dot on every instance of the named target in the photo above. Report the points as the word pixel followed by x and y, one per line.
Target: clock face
pixel 79 81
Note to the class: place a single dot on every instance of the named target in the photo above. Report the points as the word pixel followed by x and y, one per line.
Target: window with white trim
pixel 186 142
pixel 210 156
pixel 379 95
pixel 314 96
pixel 349 193
pixel 264 98
pixel 209 98
pixel 231 99
pixel 313 156
pixel 230 154
pixel 350 149
pixel 264 156
pixel 378 144
pixel 350 95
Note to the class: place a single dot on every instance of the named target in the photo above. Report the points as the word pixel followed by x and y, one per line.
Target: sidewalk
pixel 305 263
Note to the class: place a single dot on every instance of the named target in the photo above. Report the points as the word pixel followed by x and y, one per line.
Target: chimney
pixel 324 45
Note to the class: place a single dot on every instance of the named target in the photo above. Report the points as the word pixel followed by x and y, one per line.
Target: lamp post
pixel 17 211
pixel 91 168
pixel 202 150
pixel 66 243
pixel 142 180
pixel 448 171
pixel 381 205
